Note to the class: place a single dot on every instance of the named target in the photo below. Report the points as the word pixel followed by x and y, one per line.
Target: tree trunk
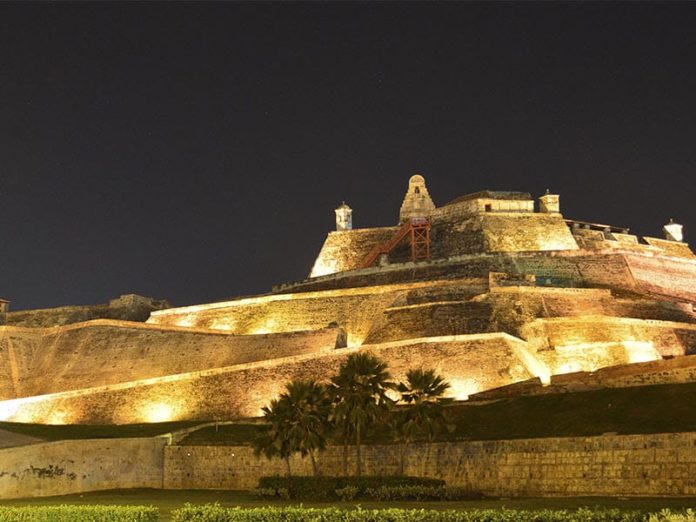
pixel 287 465
pixel 358 468
pixel 345 456
pixel 315 469
pixel 402 457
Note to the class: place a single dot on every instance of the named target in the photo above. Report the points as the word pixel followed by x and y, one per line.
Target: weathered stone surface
pixel 630 465
pixel 76 466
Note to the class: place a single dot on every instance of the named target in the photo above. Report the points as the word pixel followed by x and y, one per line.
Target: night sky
pixel 196 152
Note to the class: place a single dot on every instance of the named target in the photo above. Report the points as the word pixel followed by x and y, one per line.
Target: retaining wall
pixel 628 465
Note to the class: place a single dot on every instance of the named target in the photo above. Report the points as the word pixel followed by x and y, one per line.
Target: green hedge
pixel 215 513
pixel 325 488
pixel 79 514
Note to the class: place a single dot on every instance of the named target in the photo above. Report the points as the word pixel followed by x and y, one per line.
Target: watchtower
pixel 417 202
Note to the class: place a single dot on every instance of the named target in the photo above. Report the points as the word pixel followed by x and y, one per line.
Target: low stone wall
pixel 628 465
pixel 617 465
pixel 76 466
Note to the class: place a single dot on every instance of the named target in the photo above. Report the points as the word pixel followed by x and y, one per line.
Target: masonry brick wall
pixel 627 465
pixel 76 466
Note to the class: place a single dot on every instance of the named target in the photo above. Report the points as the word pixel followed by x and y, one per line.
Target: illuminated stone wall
pixel 639 272
pixel 129 307
pixel 469 363
pixel 614 465
pixel 77 466
pixel 99 353
pixel 345 250
pixel 630 465
pixel 355 310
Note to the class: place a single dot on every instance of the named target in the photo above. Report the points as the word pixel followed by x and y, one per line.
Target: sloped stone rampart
pixel 628 465
pixel 100 353
pixel 469 363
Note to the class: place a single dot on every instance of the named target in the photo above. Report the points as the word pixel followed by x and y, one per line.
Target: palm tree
pixel 272 441
pixel 424 414
pixel 360 389
pixel 307 420
pixel 298 423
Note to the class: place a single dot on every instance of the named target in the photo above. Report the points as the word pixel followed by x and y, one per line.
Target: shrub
pixel 347 493
pixel 79 514
pixel 325 488
pixel 421 493
pixel 215 513
pixel 673 516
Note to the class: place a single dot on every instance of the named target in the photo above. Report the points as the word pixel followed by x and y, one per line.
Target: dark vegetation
pixel 325 488
pixel 86 431
pixel 664 408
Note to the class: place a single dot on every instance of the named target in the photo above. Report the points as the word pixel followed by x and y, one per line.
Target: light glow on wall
pixel 641 351
pixel 460 389
pixel 159 412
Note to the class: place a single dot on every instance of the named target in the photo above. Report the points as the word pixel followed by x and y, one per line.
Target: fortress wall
pixel 353 313
pixel 678 370
pixel 526 232
pixel 124 308
pixel 620 465
pixel 12 341
pixel 668 338
pixel 77 466
pixel 664 276
pixel 108 352
pixel 355 310
pixel 431 319
pixel 344 250
pixel 469 363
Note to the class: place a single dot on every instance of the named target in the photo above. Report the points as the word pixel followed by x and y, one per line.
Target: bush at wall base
pixel 336 488
pixel 216 513
pixel 79 514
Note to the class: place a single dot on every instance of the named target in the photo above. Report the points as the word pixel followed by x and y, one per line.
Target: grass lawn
pixel 168 500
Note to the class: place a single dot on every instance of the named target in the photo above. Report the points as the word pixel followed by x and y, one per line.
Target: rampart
pixel 469 363
pixel 103 352
pixel 129 307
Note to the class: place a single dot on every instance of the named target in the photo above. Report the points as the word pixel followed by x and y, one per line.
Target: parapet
pixel 129 307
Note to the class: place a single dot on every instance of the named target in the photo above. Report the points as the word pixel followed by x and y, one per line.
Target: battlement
pixel 487 222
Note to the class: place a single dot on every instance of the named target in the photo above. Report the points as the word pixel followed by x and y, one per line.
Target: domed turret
pixel 673 231
pixel 417 202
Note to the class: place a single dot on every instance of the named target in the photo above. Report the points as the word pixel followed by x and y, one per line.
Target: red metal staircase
pixel 419 231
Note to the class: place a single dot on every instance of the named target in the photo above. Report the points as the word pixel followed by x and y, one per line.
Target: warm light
pixel 533 364
pixel 640 351
pixel 158 412
pixel 186 321
pixel 460 389
pixel 270 325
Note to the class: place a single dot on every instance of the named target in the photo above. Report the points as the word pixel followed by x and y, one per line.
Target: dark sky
pixel 196 151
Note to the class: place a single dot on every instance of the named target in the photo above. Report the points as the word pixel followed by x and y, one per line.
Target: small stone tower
pixel 549 203
pixel 344 217
pixel 673 231
pixel 417 202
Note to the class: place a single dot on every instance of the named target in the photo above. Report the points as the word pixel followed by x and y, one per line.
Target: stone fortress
pixel 500 293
